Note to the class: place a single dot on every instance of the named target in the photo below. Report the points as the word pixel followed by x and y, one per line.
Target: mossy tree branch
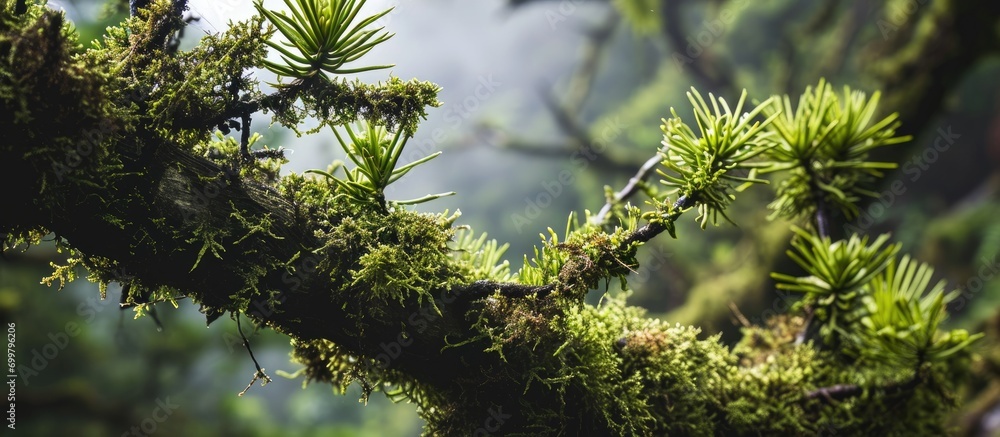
pixel 106 156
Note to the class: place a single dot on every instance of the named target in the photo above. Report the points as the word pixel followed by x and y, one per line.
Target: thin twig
pixel 482 289
pixel 630 189
pixel 804 333
pixel 823 225
pixel 259 374
pixel 706 69
pixel 568 149
pixel 840 392
pixel 823 228
pixel 739 315
pixel 142 299
pixel 652 229
pixel 566 122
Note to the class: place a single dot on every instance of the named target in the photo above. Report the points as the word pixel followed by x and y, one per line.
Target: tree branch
pixel 582 81
pixel 710 75
pixel 560 150
pixel 259 374
pixel 576 132
pixel 841 392
pixel 652 229
pixel 630 189
pixel 482 289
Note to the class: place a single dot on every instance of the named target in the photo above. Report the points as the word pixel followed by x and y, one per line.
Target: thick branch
pixel 481 289
pixel 164 197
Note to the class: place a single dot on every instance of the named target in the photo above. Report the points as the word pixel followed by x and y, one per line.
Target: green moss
pixel 587 256
pixel 393 104
pixel 617 371
pixel 391 257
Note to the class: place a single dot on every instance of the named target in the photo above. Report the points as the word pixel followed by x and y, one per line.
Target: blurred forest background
pixel 537 88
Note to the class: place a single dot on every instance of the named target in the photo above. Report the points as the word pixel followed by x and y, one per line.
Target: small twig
pixel 739 315
pixel 123 303
pixel 840 392
pixel 259 374
pixel 822 220
pixel 804 333
pixel 823 228
pixel 822 209
pixel 837 392
pixel 630 189
pixel 652 229
pixel 559 150
pixel 482 289
pixel 567 124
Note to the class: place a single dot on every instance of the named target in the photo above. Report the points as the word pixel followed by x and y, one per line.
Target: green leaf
pixel 324 35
